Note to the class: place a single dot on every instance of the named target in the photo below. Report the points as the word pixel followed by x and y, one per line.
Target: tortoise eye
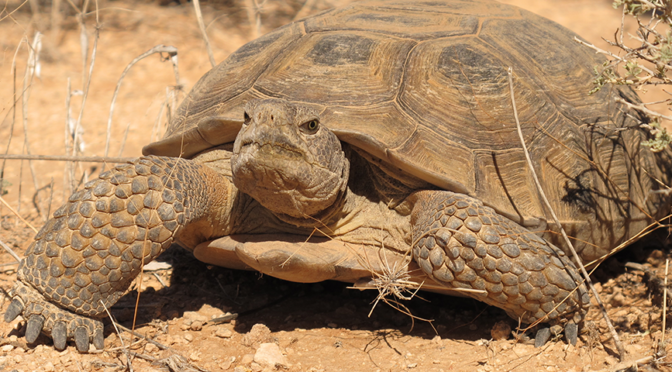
pixel 310 126
pixel 247 118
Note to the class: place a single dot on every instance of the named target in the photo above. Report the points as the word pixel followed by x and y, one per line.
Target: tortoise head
pixel 288 161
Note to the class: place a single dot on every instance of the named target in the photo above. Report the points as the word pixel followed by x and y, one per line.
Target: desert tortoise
pixel 386 126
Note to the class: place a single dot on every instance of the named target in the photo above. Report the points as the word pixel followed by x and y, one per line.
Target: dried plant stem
pixel 579 264
pixel 667 266
pixel 55 19
pixel 172 55
pixel 14 11
pixel 83 159
pixel 32 66
pixel 201 25
pixel 10 251
pixel 254 17
pixel 305 10
pixel 13 111
pixel 68 180
pixel 17 214
pixel 123 346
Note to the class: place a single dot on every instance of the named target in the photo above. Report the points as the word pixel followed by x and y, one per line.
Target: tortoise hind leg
pixel 461 243
pixel 84 258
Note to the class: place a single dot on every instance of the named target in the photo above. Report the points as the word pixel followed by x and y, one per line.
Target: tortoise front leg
pixel 461 243
pixel 84 259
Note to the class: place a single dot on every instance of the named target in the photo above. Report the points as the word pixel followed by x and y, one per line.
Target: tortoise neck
pixel 323 218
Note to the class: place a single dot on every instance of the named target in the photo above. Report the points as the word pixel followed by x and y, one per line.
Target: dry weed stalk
pixel 171 53
pixel 129 365
pixel 201 25
pixel 642 65
pixel 32 70
pixel 253 9
pixel 579 264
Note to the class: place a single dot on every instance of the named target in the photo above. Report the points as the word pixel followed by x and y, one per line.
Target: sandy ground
pixel 319 327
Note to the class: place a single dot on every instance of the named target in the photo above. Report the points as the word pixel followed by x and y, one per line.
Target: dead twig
pixel 617 341
pixel 32 69
pixel 83 159
pixel 17 214
pixel 201 25
pixel 10 251
pixel 172 55
pixel 116 328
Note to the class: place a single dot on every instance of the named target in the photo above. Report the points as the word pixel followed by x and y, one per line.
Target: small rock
pixel 501 330
pixel 256 367
pixel 247 359
pixel 195 356
pixel 412 365
pixel 618 300
pixel 48 367
pixel 223 332
pixel 436 340
pixel 195 316
pixel 196 325
pixel 269 355
pixel 189 337
pixel 259 334
pixel 150 348
pixel 7 348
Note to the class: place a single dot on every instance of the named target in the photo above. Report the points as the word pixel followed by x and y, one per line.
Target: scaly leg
pixel 461 243
pixel 84 259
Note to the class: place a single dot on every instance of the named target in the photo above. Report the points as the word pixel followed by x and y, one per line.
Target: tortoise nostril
pixel 272 118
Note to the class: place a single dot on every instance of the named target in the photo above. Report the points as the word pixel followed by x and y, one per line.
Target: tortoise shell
pixel 423 86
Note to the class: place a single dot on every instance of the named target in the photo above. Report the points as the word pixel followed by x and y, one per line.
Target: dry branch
pixel 171 51
pixel 201 25
pixel 10 251
pixel 17 214
pixel 83 159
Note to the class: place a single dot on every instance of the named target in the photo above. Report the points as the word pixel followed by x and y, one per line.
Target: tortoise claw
pixel 99 339
pixel 572 333
pixel 82 339
pixel 13 310
pixel 60 335
pixel 543 334
pixel 45 317
pixel 34 327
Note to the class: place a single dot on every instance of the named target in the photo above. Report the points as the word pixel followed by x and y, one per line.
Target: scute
pixel 432 98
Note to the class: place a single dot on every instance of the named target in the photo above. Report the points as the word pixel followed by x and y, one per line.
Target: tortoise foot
pixel 542 337
pixel 544 334
pixel 60 324
pixel 461 243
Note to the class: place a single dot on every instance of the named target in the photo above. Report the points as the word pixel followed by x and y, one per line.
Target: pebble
pixel 501 330
pixel 259 334
pixel 7 348
pixel 269 355
pixel 150 348
pixel 195 316
pixel 189 337
pixel 223 332
pixel 247 359
pixel 196 325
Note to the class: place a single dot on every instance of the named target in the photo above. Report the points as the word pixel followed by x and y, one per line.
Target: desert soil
pixel 185 305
